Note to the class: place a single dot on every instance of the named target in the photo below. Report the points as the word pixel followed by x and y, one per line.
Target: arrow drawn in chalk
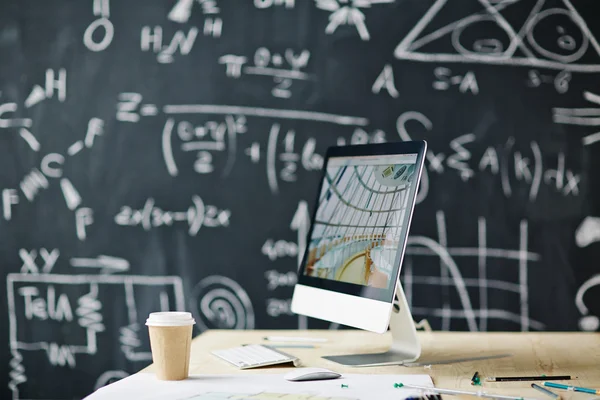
pixel 108 264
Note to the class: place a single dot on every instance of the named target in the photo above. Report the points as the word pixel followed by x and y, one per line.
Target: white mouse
pixel 311 374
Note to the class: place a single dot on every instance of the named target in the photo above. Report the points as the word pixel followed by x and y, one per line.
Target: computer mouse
pixel 310 374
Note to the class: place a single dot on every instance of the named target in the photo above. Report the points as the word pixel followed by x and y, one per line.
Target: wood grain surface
pixel 575 354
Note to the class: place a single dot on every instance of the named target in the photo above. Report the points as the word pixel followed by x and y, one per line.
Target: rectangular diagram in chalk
pixel 87 312
pixel 477 287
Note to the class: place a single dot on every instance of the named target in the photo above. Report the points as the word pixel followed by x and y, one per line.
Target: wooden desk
pixel 575 354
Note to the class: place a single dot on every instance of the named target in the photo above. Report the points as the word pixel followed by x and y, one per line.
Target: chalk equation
pixel 166 45
pixel 206 130
pixel 282 156
pixel 284 68
pixel 277 307
pixel 51 168
pixel 513 165
pixel 196 216
pixel 443 79
pixel 587 322
pixel 560 81
pixel 76 303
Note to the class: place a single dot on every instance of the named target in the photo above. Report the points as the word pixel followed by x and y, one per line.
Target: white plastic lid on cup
pixel 170 318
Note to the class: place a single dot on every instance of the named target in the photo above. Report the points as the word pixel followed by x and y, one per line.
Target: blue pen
pixel 572 388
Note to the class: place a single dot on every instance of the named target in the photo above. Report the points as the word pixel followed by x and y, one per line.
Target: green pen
pixel 571 388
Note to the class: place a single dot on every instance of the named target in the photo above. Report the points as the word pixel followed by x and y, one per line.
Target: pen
pixel 545 391
pixel 424 363
pixel 572 388
pixel 459 392
pixel 527 378
pixel 293 339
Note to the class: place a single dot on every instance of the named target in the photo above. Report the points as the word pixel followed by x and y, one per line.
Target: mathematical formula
pixel 196 216
pixel 275 140
pixel 511 165
pixel 283 68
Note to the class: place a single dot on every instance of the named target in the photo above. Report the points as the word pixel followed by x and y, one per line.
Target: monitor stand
pixel 405 343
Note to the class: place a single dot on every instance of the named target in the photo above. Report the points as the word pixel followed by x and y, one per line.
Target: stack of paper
pixel 145 386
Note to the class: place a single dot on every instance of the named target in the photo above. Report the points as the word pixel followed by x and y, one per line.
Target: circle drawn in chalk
pixel 219 302
pixel 481 47
pixel 589 323
pixel 566 42
pixel 109 377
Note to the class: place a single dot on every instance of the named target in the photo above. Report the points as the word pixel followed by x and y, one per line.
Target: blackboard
pixel 165 155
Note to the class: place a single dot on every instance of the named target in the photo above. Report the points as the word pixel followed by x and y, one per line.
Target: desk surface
pixel 575 354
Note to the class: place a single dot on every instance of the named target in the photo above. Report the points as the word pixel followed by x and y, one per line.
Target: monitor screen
pixel 360 223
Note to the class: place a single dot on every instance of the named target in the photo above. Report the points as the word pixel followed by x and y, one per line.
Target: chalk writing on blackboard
pixel 218 302
pixel 196 216
pixel 213 24
pixel 587 322
pixel 349 13
pixel 30 264
pixel 588 232
pixel 450 274
pixel 221 135
pixel 562 51
pixel 283 68
pixel 74 300
pixel 512 166
pixel 99 34
pixel 581 116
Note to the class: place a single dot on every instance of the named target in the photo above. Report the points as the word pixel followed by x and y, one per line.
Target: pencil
pixel 527 378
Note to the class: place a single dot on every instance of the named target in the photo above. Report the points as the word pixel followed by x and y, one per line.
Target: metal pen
pixel 545 391
pixel 463 392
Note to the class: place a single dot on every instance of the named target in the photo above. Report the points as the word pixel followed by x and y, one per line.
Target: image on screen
pixel 361 214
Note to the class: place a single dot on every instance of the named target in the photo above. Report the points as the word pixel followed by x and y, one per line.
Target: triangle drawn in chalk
pixel 513 41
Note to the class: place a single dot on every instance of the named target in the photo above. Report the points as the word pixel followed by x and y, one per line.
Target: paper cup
pixel 170 339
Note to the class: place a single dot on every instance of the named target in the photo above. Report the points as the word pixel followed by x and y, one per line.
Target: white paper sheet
pixel 145 386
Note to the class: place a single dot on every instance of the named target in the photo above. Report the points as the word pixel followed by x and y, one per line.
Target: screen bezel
pixel 382 149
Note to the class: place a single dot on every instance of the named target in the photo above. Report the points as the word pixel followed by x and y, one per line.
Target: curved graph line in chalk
pixel 109 377
pixel 448 261
pixel 587 322
pixel 411 47
pixel 423 189
pixel 219 302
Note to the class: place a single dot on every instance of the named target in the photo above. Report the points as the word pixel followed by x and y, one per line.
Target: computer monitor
pixel 356 244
